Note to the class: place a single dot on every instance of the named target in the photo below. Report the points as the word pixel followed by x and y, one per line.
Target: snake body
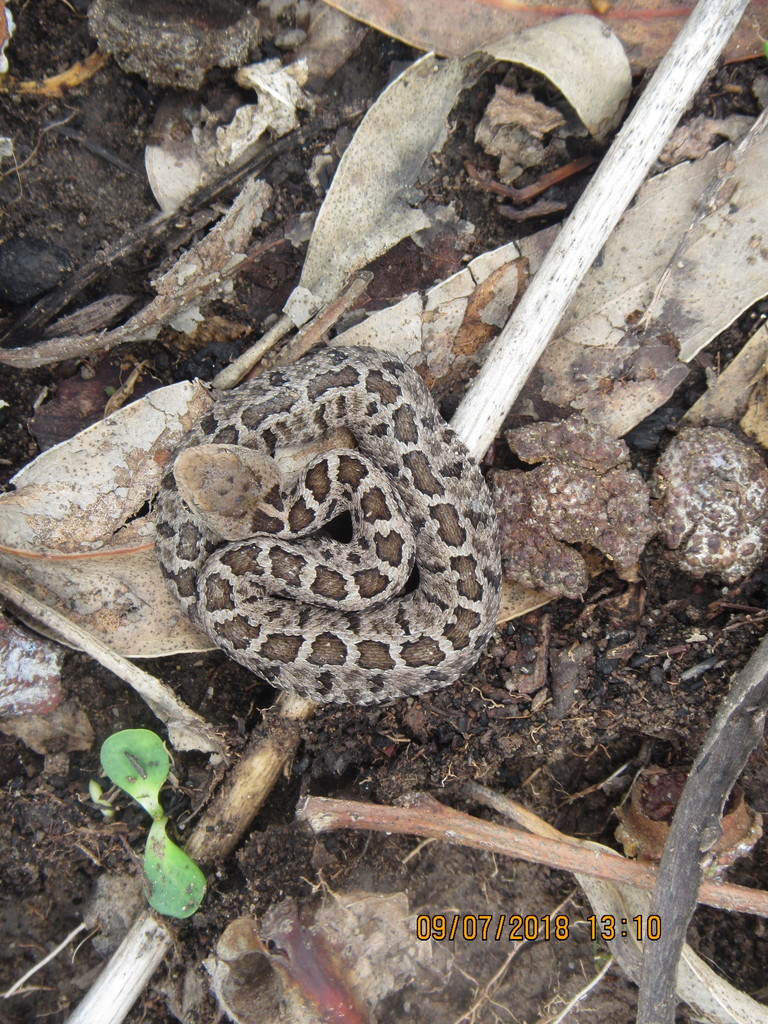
pixel 407 605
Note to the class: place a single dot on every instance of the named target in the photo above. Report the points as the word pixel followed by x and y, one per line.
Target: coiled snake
pixel 407 605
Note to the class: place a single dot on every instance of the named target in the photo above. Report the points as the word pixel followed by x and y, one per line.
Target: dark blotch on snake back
pixel 374 505
pixel 319 482
pixel 374 655
pixel 468 585
pixel 300 517
pixel 370 582
pixel 287 565
pixel 423 477
pixel 328 649
pixel 424 651
pixel 449 525
pixel 346 377
pixel 227 435
pixel 282 648
pixel 189 542
pixel 237 632
pixel 389 548
pixel 257 412
pixel 377 384
pixel 186 581
pixel 329 583
pixel 405 425
pixel 218 593
pixel 351 470
pixel 458 632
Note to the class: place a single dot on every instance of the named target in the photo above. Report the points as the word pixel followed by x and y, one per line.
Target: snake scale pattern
pixel 405 606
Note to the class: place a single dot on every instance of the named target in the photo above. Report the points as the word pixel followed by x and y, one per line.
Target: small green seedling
pixel 136 760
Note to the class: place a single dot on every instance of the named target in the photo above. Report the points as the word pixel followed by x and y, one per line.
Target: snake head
pixel 223 484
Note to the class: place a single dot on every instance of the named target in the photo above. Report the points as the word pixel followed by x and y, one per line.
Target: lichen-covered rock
pixel 713 493
pixel 585 491
pixel 174 42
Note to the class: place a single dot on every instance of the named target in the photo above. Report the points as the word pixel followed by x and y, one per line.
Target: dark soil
pixel 639 703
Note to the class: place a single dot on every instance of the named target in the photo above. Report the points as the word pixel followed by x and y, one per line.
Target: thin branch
pixel 187 730
pixel 46 960
pixel 582 994
pixel 432 820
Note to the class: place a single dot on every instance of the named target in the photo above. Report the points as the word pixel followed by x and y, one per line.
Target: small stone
pixel 29 267
pixel 174 42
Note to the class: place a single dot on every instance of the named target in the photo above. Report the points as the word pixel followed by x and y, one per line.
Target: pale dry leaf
pixel 697 984
pixel 369 208
pixel 583 59
pixel 438 328
pixel 727 398
pixel 601 364
pixel 75 496
pixel 63 529
pixel 754 422
pixel 720 269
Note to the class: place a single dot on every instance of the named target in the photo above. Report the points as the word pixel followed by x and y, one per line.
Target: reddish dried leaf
pixel 457 27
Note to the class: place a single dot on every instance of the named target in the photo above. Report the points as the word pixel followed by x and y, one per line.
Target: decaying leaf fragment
pixel 337 961
pixel 582 492
pixel 443 328
pixel 645 819
pixel 29 672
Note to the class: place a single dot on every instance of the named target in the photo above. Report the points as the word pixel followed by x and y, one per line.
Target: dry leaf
pixel 582 59
pixel 63 529
pixel 365 214
pixel 457 27
pixel 726 399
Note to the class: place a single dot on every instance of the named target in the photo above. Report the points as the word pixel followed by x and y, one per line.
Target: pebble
pixel 29 267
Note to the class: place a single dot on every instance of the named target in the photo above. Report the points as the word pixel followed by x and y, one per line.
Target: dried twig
pixel 186 729
pixel 432 820
pixel 17 985
pixel 57 86
pixel 36 318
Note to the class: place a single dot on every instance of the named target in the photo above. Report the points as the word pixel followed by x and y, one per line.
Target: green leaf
pixel 136 760
pixel 176 883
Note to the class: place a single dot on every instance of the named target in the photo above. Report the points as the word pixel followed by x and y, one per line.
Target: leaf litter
pixel 421 309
